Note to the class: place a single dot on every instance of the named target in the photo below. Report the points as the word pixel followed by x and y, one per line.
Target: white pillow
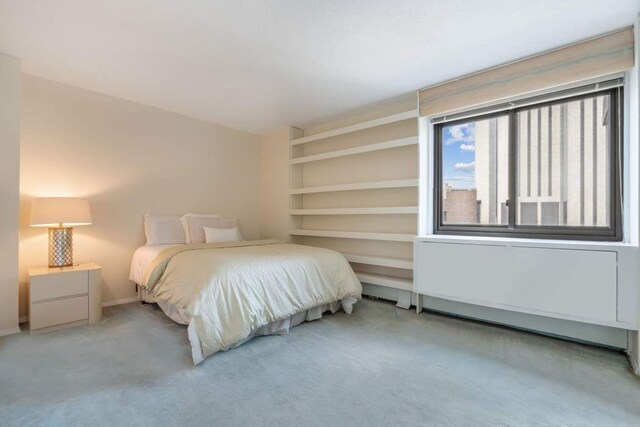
pixel 214 235
pixel 194 224
pixel 163 230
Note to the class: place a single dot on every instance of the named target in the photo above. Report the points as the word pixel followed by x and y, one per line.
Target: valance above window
pixel 601 56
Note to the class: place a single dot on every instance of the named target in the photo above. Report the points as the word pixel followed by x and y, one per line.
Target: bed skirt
pixel 143 295
pixel 279 327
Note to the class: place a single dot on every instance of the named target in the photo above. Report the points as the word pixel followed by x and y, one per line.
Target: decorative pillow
pixel 163 230
pixel 214 235
pixel 194 224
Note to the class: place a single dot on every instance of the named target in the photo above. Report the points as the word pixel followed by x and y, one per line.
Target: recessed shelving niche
pixel 373 163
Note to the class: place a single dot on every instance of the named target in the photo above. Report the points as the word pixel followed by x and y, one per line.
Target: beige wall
pixel 9 175
pixel 274 182
pixel 127 159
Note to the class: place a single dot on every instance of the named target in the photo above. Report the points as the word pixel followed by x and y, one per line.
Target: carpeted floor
pixel 379 366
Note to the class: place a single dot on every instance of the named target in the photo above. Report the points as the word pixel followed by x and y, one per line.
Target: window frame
pixel 612 233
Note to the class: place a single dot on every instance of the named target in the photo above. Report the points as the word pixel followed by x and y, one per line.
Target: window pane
pixel 550 212
pixel 529 213
pixel 564 163
pixel 475 172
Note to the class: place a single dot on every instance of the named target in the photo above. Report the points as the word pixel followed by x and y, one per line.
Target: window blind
pixel 601 56
pixel 516 103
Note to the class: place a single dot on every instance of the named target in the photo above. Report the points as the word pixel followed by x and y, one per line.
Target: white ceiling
pixel 256 65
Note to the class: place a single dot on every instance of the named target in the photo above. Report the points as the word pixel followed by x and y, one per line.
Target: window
pixel 547 169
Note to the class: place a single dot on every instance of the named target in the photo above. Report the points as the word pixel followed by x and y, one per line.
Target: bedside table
pixel 64 297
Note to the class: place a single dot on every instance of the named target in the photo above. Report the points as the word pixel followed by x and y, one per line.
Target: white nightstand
pixel 64 297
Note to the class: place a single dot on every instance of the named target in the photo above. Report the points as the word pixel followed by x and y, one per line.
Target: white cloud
pixel 467 147
pixel 464 133
pixel 465 166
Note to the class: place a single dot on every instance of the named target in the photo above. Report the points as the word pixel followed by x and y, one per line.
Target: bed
pixel 229 292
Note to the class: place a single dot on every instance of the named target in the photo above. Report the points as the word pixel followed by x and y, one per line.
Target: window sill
pixel 514 241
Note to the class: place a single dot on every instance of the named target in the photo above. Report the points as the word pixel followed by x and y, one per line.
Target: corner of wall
pixel 9 192
pixel 274 184
pixel 633 350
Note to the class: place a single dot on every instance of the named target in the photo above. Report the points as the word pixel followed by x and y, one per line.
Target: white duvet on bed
pixel 142 257
pixel 231 290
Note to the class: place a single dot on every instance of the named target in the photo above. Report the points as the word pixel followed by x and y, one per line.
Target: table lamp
pixel 60 214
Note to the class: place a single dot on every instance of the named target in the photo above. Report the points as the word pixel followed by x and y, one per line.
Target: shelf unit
pixel 376 185
pixel 386 145
pixel 357 127
pixel 357 211
pixel 391 269
pixel 390 237
pixel 406 263
pixel 389 281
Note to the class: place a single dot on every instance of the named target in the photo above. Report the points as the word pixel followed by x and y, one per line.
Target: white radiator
pixel 587 283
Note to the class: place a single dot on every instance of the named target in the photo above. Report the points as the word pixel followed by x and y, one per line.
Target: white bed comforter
pixel 230 290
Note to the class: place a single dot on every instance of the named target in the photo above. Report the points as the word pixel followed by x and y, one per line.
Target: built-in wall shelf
pixel 318 203
pixel 412 114
pixel 405 263
pixel 357 211
pixel 391 282
pixel 391 237
pixel 386 145
pixel 377 185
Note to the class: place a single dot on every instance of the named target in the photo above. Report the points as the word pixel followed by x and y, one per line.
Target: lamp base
pixel 60 247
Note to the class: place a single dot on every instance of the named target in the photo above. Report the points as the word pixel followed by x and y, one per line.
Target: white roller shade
pixel 593 58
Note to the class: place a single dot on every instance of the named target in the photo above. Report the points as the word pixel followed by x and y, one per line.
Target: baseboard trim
pixel 10 331
pixel 606 336
pixel 119 301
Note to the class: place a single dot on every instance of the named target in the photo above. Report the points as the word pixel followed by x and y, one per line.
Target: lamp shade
pixel 54 211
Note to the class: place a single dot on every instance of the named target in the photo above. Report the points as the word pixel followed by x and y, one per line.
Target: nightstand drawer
pixel 56 285
pixel 58 312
